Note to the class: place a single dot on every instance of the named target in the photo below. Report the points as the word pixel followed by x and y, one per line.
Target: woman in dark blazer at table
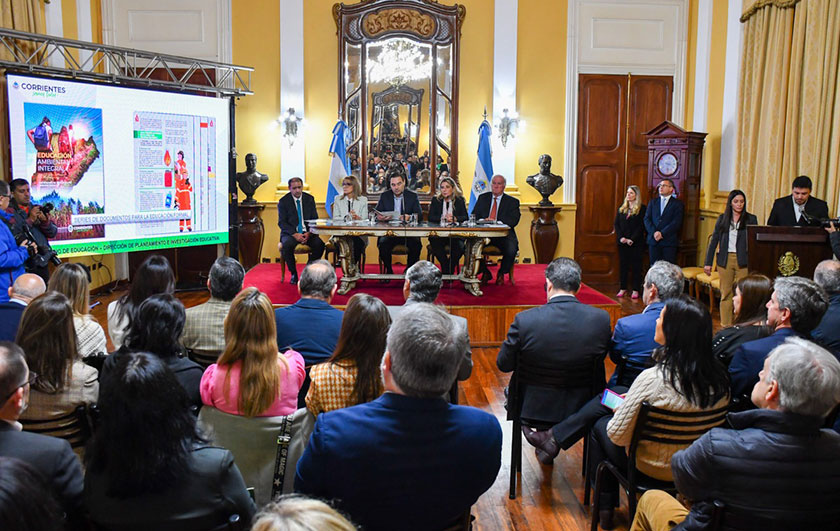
pixel 630 235
pixel 731 233
pixel 447 208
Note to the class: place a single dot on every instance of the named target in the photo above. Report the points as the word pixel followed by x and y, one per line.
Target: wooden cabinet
pixel 677 154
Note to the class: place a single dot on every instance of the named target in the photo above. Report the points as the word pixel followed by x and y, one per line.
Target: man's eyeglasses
pixel 29 381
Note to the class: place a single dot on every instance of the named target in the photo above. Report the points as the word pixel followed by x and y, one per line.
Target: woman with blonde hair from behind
pixel 71 280
pixel 294 512
pixel 251 378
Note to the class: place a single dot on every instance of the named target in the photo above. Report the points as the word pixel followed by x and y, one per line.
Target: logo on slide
pixel 16 85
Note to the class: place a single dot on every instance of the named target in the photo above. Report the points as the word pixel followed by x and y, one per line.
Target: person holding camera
pixel 32 222
pixel 12 255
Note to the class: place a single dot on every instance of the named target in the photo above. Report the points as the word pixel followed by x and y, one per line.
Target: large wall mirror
pixel 398 90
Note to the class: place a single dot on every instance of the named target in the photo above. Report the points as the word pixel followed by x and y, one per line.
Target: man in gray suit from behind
pixel 423 281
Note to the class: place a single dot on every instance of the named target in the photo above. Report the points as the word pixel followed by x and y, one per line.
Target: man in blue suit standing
pixel 408 460
pixel 311 326
pixel 663 221
pixel 796 307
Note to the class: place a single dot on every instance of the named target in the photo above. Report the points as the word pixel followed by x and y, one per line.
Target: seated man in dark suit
pixel 311 326
pixel 663 221
pixel 404 203
pixel 631 347
pixel 26 287
pixel 827 333
pixel 497 205
pixel 774 462
pixel 50 456
pixel 796 307
pixel 834 239
pixel 293 210
pixel 408 460
pixel 564 331
pixel 798 208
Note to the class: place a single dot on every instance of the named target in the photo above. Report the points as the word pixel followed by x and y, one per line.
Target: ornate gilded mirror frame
pixel 368 27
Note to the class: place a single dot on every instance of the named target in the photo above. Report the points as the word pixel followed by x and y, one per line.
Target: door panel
pixel 614 112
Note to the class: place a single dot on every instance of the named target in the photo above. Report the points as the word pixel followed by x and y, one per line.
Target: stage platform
pixel 489 316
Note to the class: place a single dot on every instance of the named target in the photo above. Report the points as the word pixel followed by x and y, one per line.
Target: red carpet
pixel 528 291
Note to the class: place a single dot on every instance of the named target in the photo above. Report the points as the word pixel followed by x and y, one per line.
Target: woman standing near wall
pixel 731 232
pixel 630 234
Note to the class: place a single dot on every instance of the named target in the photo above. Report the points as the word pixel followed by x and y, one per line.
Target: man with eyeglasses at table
pixel 50 456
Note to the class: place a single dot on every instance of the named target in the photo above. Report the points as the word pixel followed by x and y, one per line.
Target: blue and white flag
pixel 483 164
pixel 339 168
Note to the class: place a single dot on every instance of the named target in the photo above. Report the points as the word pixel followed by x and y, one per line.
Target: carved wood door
pixel 614 112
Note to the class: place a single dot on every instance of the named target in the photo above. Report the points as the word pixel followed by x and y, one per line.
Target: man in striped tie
pixel 496 205
pixel 293 210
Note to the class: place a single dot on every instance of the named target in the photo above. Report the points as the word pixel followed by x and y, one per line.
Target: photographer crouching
pixel 32 223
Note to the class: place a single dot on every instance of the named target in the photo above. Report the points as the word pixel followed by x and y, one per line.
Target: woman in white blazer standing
pixel 351 206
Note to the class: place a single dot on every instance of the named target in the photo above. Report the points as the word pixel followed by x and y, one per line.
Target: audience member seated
pixel 422 284
pixel 834 239
pixel 251 378
pixel 632 345
pixel 775 462
pixel 827 333
pixel 311 326
pixel 147 465
pixel 25 288
pixel 752 293
pixel 446 209
pixel 156 326
pixel 50 456
pixel 204 326
pixel 26 501
pixel 48 339
pixel 152 277
pixel 796 307
pixel 351 376
pixel 686 378
pixel 71 281
pixel 561 332
pixel 294 512
pixel 407 460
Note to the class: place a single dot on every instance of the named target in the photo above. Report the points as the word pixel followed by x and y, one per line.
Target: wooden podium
pixel 786 251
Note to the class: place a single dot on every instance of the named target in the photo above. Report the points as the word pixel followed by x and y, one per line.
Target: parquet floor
pixel 547 497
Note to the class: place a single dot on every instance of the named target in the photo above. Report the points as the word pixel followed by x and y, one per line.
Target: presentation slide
pixel 125 169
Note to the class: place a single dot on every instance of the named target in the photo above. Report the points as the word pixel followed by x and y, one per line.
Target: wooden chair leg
pixel 711 299
pixel 282 269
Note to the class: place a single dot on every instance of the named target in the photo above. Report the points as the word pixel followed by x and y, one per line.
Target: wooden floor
pixel 547 497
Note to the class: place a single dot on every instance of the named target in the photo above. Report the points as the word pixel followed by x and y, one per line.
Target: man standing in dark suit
pixel 311 326
pixel 293 210
pixel 798 208
pixel 26 287
pixel 796 307
pixel 408 460
pixel 562 332
pixel 663 221
pixel 404 203
pixel 50 456
pixel 499 206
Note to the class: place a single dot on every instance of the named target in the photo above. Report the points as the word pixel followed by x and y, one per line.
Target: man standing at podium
pixel 798 208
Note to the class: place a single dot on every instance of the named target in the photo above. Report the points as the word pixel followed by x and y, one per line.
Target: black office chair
pixel 655 425
pixel 587 373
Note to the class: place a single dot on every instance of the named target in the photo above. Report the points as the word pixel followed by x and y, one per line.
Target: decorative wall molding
pixel 729 123
pixel 621 37
pixel 292 158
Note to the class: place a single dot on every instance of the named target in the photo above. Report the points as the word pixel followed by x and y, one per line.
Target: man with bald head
pixel 827 333
pixel 26 287
pixel 498 206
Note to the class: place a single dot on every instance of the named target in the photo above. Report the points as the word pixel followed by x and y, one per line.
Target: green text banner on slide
pixel 125 169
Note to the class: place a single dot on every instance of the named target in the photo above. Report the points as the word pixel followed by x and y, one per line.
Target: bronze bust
pixel 250 179
pixel 545 182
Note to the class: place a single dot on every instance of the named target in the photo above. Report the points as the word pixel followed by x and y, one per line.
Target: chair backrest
pixel 75 427
pixel 677 428
pixel 203 357
pixel 729 518
pixel 264 448
pixel 584 373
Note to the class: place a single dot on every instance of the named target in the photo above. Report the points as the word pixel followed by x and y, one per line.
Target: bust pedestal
pixel 544 232
pixel 251 234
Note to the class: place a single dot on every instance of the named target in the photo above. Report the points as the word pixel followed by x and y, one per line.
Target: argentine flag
pixel 339 169
pixel 483 165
